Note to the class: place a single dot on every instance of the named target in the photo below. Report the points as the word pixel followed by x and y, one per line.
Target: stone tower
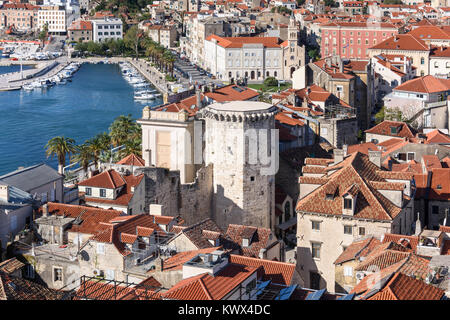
pixel 243 149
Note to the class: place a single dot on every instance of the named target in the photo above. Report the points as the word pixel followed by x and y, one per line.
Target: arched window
pixel 287 210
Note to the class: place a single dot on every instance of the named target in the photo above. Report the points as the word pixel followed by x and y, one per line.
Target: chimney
pixel 375 157
pixel 156 209
pixel 4 193
pixel 159 264
pixel 199 98
pixel 345 148
pixel 341 65
pixel 45 210
pixel 338 155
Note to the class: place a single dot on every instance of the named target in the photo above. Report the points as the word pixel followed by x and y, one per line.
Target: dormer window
pixel 394 130
pixel 348 204
pixel 245 242
pixel 329 196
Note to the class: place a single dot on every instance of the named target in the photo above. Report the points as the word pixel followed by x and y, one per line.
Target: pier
pixel 45 69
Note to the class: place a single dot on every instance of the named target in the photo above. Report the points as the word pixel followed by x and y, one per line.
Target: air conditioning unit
pixel 98 273
pixel 359 276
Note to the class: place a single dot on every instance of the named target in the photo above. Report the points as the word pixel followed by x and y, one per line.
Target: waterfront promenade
pixel 15 80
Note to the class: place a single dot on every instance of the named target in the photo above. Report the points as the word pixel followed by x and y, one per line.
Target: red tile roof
pixel 90 217
pixel 362 147
pixel 208 287
pixel 119 233
pixel 430 32
pixel 232 92
pixel 132 160
pixel 109 179
pixel 124 197
pixel 355 169
pixel 402 42
pixel 403 287
pixel 425 84
pixel 237 42
pixel 277 272
pixel 440 184
pixel 407 241
pixel 438 137
pixel 384 128
pixel 357 249
pixel 259 238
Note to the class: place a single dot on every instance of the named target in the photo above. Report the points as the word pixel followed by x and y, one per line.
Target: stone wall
pixel 191 201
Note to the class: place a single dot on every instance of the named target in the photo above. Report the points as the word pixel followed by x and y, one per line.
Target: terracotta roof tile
pixel 259 238
pixel 132 160
pixel 403 287
pixel 277 272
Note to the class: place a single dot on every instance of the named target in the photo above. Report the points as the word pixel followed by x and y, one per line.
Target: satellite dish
pixel 84 255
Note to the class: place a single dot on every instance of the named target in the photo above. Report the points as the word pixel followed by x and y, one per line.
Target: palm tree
pixel 120 129
pixel 131 146
pixel 60 146
pixel 169 58
pixel 96 147
pixel 83 156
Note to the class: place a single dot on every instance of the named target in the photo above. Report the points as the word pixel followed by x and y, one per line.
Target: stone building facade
pixel 238 139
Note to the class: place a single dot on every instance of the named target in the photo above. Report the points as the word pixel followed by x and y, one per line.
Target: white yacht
pixel 144 96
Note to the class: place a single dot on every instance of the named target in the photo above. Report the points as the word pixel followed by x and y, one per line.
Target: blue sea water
pixel 79 110
pixel 13 69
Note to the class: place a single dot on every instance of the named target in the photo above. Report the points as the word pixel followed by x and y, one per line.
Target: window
pixel 103 193
pixel 362 231
pixel 13 223
pixel 29 271
pixel 422 61
pixel 315 225
pixel 57 274
pixel 348 271
pixel 348 230
pixel 100 248
pixel 411 155
pixel 339 88
pixel 394 130
pixel 245 242
pixel 347 203
pixel 250 286
pixel 315 250
pixel 435 209
pixel 109 275
pixel 88 191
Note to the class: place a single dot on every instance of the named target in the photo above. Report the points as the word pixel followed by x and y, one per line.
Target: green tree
pixel 330 3
pixel 61 147
pixel 379 116
pixel 270 82
pixel 98 145
pixel 121 128
pixel 133 39
pixel 43 34
pixel 83 156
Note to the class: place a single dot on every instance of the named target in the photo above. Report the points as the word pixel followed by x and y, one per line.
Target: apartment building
pixel 23 16
pixel 106 28
pixel 80 30
pixel 352 40
pixel 343 200
pixel 54 17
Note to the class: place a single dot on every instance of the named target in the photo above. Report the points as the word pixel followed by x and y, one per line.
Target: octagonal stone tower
pixel 242 145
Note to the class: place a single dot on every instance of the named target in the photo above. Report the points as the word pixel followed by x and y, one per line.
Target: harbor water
pixel 79 109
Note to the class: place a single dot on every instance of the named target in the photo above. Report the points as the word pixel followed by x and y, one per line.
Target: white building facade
pixel 108 28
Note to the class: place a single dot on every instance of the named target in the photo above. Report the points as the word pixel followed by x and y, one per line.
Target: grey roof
pixel 17 198
pixel 32 177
